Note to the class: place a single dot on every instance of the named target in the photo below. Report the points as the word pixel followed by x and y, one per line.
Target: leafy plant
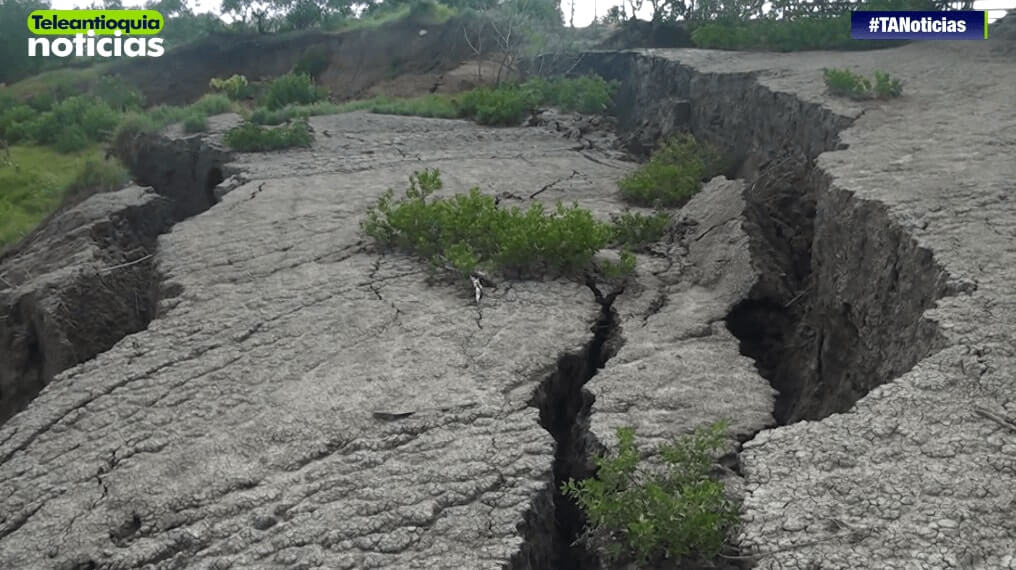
pixel 250 137
pixel 674 173
pixel 71 138
pixel 235 87
pixel 625 265
pixel 118 93
pixel 265 116
pixel 470 231
pixel 633 229
pixel 292 88
pixel 195 123
pixel 846 83
pixel 313 62
pixel 676 512
pixel 211 104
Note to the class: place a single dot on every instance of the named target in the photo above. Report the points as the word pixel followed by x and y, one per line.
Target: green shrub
pixel 503 106
pixel 677 512
pixel 588 94
pixel 846 83
pixel 469 231
pixel 674 173
pixel 438 106
pixel 265 116
pixel 195 123
pixel 13 122
pixel 163 115
pixel 313 62
pixel 71 138
pixel 290 89
pixel 119 94
pixel 250 137
pixel 633 229
pixel 99 176
pixel 211 104
pixel 235 87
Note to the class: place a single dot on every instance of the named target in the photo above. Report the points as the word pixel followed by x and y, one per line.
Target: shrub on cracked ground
pixel 676 511
pixel 292 89
pixel 250 137
pixel 470 232
pixel 846 83
pixel 508 105
pixel 674 173
pixel 632 229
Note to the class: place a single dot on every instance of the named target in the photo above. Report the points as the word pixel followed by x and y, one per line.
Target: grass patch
pixel 35 180
pixel 470 232
pixel 250 137
pixel 211 104
pixel 846 83
pixel 265 116
pixel 195 123
pixel 439 106
pixel 678 512
pixel 634 230
pixel 674 173
pixel 291 89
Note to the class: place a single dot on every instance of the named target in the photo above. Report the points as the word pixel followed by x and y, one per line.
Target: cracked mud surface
pixel 302 401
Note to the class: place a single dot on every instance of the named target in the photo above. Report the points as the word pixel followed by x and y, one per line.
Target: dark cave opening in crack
pixel 564 407
pixel 838 308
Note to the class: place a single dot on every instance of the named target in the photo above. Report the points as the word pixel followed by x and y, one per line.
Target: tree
pixel 14 39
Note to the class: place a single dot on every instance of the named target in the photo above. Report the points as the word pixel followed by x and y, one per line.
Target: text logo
pixel 95 33
pixel 955 25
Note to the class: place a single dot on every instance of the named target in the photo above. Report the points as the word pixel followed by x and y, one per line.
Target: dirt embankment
pixel 398 52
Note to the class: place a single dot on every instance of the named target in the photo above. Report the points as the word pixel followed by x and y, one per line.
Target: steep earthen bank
pixel 87 276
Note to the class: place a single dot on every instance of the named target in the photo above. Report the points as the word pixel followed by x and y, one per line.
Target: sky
pixel 585 10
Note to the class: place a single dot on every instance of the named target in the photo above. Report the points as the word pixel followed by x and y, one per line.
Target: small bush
pixel 588 94
pixel 163 115
pixel 292 89
pixel 469 231
pixel 195 123
pixel 13 122
pixel 71 138
pixel 264 116
pixel 633 229
pixel 211 104
pixel 313 62
pixel 846 83
pixel 678 512
pixel 116 92
pixel 438 106
pixel 99 176
pixel 674 173
pixel 503 106
pixel 235 87
pixel 250 137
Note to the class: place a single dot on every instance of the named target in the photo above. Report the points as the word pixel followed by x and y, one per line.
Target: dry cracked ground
pixel 304 401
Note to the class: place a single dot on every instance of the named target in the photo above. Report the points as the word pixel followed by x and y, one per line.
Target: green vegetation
pixel 469 232
pixel 292 89
pixel 195 123
pixel 677 512
pixel 508 105
pixel 633 230
pixel 849 84
pixel 264 116
pixel 235 87
pixel 674 173
pixel 36 180
pixel 313 62
pixel 440 106
pixel 250 137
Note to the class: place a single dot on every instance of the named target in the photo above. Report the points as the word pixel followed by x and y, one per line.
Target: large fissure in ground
pixel 838 308
pixel 555 522
pixel 87 276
